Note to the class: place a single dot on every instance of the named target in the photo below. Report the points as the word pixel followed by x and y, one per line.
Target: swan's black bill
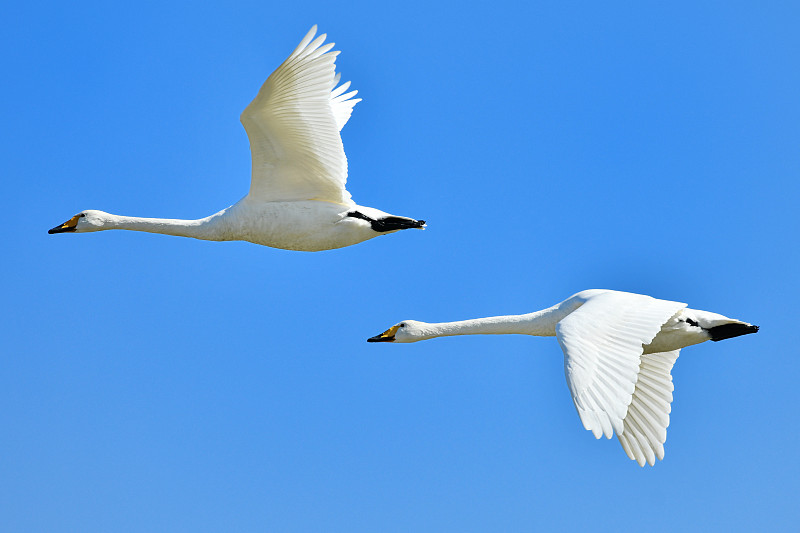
pixel 381 338
pixel 68 226
pixel 728 331
pixel 386 336
pixel 60 229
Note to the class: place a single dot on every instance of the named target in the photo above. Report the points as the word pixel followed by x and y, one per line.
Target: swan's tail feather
pixel 733 329
pixel 389 222
pixel 392 223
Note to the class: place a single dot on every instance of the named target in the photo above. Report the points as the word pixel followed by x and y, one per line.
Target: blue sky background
pixel 153 383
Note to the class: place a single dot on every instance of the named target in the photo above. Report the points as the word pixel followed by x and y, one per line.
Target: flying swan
pixel 297 198
pixel 619 349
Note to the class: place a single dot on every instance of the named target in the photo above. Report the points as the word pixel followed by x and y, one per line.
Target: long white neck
pixel 209 228
pixel 540 323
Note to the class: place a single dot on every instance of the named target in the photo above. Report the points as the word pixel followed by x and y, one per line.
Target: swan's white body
pixel 619 349
pixel 297 198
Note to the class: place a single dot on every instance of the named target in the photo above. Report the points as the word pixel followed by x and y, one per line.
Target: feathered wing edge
pixel 341 103
pixel 603 344
pixel 293 124
pixel 645 425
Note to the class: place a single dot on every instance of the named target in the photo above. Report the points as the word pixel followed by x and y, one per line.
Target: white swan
pixel 619 349
pixel 297 198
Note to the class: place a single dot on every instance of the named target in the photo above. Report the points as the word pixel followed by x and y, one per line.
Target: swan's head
pixel 89 220
pixel 405 331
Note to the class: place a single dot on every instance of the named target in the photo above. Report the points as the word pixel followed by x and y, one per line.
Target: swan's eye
pixel 402 325
pixel 83 214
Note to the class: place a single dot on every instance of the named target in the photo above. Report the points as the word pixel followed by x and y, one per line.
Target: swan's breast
pixel 305 225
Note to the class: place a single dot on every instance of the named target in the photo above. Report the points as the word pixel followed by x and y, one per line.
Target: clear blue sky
pixel 153 383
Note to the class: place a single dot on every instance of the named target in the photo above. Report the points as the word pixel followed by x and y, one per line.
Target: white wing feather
pixel 645 426
pixel 293 125
pixel 602 343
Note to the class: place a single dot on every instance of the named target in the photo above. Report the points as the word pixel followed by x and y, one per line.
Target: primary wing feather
pixel 293 125
pixel 645 425
pixel 603 343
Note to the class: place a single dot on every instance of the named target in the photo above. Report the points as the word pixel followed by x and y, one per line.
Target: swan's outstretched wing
pixel 293 125
pixel 602 342
pixel 645 426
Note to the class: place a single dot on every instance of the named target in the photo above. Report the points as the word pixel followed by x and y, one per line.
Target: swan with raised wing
pixel 619 349
pixel 297 198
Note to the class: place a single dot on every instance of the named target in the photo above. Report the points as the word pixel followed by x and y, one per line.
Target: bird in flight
pixel 297 198
pixel 619 349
